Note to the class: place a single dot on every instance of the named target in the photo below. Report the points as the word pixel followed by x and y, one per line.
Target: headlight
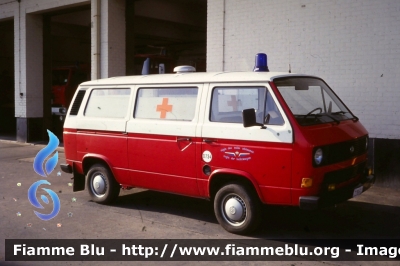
pixel 318 155
pixel 366 143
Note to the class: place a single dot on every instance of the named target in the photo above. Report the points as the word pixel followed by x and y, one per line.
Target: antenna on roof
pixel 290 69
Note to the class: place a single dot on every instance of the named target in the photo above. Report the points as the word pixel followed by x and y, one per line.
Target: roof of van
pixel 192 77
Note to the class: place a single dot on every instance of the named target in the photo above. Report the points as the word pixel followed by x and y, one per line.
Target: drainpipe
pixel 96 9
pixel 19 50
pixel 223 37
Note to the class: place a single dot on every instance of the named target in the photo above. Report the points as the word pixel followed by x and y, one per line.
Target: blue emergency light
pixel 261 63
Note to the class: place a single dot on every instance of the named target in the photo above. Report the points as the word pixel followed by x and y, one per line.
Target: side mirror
pixel 249 118
pixel 63 110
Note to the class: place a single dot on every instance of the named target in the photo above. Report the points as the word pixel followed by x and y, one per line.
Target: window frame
pixel 267 93
pixel 170 87
pixel 129 95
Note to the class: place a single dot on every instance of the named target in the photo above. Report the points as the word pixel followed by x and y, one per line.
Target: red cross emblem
pixel 234 103
pixel 164 108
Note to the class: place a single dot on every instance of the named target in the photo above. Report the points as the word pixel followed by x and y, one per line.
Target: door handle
pixel 183 139
pixel 209 140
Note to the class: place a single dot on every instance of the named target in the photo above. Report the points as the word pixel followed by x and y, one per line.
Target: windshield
pixel 312 101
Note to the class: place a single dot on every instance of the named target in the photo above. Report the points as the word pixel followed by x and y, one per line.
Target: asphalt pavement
pixel 143 214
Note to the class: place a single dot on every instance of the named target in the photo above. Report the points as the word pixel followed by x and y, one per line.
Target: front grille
pixel 342 151
pixel 343 175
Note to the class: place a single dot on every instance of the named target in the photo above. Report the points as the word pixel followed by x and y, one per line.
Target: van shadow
pixel 153 202
pixel 350 219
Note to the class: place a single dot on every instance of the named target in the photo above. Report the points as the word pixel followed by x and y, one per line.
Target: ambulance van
pixel 240 139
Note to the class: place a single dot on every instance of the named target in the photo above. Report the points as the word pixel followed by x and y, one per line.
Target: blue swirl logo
pixel 32 198
pixel 44 153
pixel 43 168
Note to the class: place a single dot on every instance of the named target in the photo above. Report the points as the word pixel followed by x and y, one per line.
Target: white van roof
pixel 196 77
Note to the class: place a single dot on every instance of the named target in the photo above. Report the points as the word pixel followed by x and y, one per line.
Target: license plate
pixel 357 191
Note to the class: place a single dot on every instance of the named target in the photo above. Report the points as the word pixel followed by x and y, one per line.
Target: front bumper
pixel 333 197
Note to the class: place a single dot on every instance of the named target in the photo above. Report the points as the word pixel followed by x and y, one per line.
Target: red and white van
pixel 240 139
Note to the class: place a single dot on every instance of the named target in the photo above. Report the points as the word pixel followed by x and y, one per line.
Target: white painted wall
pixel 112 28
pixel 31 103
pixel 354 45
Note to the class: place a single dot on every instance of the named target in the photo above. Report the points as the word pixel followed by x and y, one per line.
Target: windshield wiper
pixel 331 117
pixel 321 115
pixel 355 118
pixel 339 113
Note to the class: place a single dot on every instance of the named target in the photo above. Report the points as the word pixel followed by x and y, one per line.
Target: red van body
pixel 240 139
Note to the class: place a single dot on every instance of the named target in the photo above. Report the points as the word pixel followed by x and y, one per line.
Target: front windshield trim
pixel 311 101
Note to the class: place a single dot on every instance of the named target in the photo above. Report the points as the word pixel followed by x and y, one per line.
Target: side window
pixel 77 103
pixel 229 102
pixel 275 117
pixel 166 103
pixel 108 103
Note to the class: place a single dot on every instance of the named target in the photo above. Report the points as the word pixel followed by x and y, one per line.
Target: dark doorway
pixel 67 61
pixel 8 121
pixel 169 33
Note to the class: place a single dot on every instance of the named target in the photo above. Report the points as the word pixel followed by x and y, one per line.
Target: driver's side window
pixel 272 114
pixel 229 102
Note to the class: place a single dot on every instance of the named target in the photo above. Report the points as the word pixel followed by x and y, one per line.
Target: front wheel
pixel 236 209
pixel 101 184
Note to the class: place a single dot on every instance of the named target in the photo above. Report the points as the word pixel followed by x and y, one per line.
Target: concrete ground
pixel 142 214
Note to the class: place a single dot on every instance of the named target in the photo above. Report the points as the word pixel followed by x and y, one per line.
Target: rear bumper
pixel 66 168
pixel 333 197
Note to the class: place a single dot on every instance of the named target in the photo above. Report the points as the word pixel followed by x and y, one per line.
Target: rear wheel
pixel 237 209
pixel 101 184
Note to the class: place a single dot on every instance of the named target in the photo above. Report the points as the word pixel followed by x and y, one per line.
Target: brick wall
pixel 354 45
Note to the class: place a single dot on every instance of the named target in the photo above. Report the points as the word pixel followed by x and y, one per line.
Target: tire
pixel 237 209
pixel 101 184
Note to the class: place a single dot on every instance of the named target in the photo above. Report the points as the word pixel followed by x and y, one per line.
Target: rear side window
pixel 77 102
pixel 166 103
pixel 108 103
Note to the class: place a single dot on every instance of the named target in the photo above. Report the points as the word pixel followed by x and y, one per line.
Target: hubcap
pixel 99 185
pixel 234 210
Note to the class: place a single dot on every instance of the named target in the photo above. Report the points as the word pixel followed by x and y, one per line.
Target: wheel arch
pixel 101 184
pixel 221 177
pixel 91 159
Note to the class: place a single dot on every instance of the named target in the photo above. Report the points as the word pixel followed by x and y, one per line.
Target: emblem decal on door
pixel 237 153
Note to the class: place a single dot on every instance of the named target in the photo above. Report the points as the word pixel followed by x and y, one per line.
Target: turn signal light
pixel 306 182
pixel 370 172
pixel 331 187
